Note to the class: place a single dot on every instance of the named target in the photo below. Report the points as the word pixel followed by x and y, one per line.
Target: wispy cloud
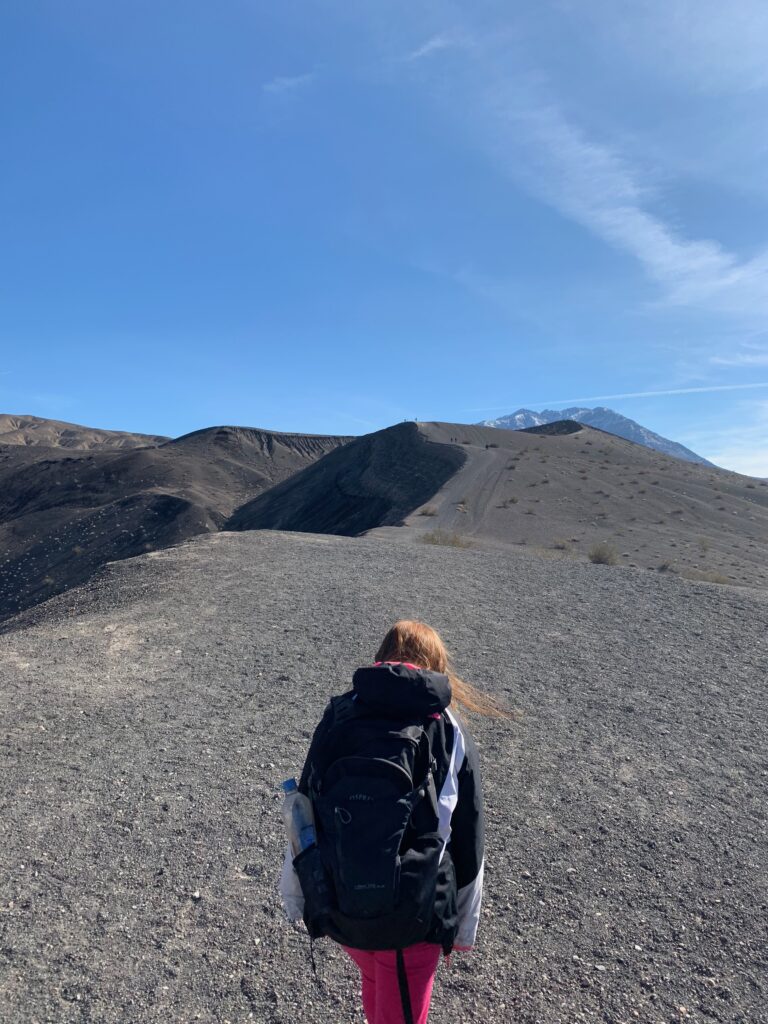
pixel 750 355
pixel 594 185
pixel 543 402
pixel 287 83
pixel 520 119
pixel 436 43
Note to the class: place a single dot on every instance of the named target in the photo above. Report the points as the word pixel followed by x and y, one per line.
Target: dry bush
pixel 430 510
pixel 704 576
pixel 560 545
pixel 445 539
pixel 603 553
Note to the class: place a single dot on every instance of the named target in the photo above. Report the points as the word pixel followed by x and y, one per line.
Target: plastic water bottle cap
pixel 289 786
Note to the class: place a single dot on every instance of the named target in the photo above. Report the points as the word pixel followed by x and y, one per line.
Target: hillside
pixel 558 489
pixel 560 493
pixel 150 716
pixel 374 480
pixel 64 512
pixel 34 431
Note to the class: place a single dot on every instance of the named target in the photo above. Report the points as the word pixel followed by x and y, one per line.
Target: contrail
pixel 626 394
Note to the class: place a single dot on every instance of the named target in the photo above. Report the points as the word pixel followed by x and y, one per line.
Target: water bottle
pixel 298 818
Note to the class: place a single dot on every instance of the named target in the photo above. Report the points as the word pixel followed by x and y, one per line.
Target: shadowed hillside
pixel 373 481
pixel 65 512
pixel 150 716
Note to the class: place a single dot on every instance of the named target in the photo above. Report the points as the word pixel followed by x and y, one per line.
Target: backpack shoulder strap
pixel 340 709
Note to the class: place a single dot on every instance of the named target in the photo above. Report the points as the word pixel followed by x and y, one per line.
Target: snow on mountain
pixel 603 419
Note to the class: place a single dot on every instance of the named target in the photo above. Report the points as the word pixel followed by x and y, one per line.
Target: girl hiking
pixel 396 875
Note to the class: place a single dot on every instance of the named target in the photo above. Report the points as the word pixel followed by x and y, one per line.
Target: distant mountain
pixel 602 419
pixel 42 433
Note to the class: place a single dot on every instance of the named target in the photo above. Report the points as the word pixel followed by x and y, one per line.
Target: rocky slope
pixel 64 512
pixel 150 716
pixel 373 481
pixel 557 492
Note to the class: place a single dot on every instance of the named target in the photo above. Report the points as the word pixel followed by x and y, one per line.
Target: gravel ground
pixel 149 717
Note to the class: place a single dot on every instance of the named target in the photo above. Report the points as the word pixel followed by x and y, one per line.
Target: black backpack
pixel 370 881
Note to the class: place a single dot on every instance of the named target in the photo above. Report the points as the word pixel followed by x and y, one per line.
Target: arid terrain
pixel 558 489
pixel 175 614
pixel 66 511
pixel 29 431
pixel 150 715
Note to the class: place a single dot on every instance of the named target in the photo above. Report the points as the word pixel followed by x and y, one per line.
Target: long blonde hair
pixel 418 644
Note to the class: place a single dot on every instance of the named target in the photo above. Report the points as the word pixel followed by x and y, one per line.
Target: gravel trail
pixel 149 717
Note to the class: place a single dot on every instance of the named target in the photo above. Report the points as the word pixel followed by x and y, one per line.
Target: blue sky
pixel 330 216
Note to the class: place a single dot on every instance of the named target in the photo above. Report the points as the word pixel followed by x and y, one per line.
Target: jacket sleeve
pixel 290 888
pixel 468 845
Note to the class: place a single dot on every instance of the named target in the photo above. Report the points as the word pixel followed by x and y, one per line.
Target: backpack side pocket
pixel 316 884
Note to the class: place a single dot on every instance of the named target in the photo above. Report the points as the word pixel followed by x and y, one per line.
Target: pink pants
pixel 381 993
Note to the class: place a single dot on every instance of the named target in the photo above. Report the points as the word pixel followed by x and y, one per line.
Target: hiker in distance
pixel 396 874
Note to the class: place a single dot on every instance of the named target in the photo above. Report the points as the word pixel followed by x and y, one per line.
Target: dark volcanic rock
pixel 64 512
pixel 375 480
pixel 558 427
pixel 149 717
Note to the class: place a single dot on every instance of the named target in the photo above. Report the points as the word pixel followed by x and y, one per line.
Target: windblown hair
pixel 420 645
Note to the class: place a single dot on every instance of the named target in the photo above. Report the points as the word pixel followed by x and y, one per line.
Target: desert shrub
pixel 705 576
pixel 665 567
pixel 603 553
pixel 445 539
pixel 492 445
pixel 703 545
pixel 430 510
pixel 560 545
